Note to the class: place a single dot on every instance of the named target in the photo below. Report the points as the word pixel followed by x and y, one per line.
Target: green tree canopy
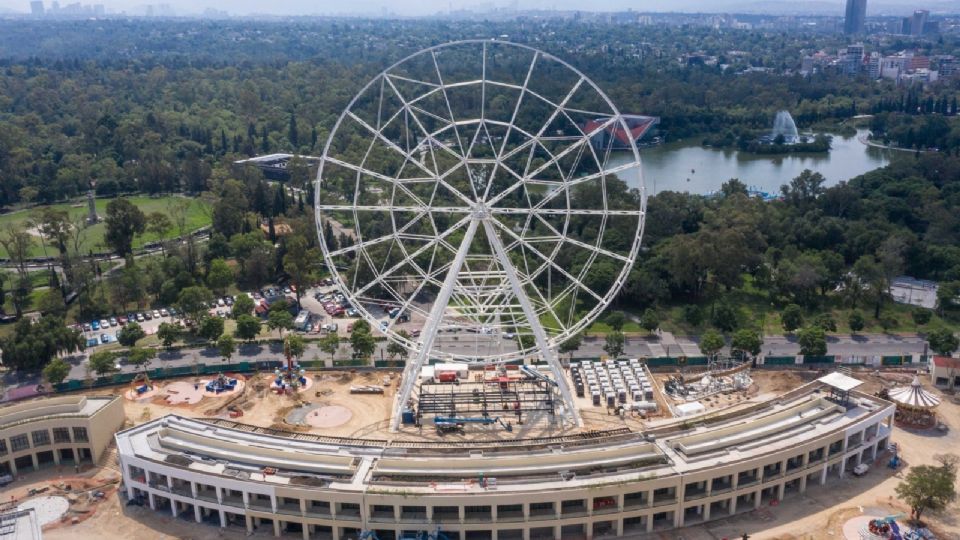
pixel 130 334
pixel 812 340
pixel 243 305
pixel 226 346
pixel 248 327
pixel 791 318
pixel 168 333
pixel 929 487
pixel 32 344
pixel 210 328
pixel 123 221
pixel 711 342
pixel 746 342
pixel 943 341
pixel 56 371
pixel 614 344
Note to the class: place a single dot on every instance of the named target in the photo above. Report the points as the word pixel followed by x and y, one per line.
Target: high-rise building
pixel 36 8
pixel 853 22
pixel 918 21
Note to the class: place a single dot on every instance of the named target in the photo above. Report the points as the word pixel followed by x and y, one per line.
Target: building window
pixel 41 437
pixel 61 435
pixel 80 434
pixel 3 447
pixel 19 442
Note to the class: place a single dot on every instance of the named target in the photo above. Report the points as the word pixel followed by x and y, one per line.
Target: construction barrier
pixel 697 361
pixel 813 359
pixel 351 363
pixel 389 363
pixel 894 360
pixel 779 360
pixel 662 361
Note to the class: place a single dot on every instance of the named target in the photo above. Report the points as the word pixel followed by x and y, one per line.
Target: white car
pixel 104 323
pixel 861 469
pixel 156 314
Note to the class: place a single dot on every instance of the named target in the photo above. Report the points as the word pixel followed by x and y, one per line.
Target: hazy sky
pixel 406 7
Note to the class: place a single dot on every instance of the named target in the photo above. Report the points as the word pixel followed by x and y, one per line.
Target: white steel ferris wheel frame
pixel 477 215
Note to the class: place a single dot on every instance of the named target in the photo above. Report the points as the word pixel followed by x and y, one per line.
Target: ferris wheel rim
pixel 604 299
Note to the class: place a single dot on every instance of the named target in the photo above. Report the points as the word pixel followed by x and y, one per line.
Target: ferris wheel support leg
pixel 539 334
pixel 431 327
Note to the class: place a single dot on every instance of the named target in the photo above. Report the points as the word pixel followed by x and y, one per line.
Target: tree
pixel 855 321
pixel 615 320
pixel 571 344
pixel 279 317
pixel 812 340
pixel 929 487
pixel 362 341
pixel 711 342
pixel 295 345
pixel 193 302
pixel 650 320
pixel 329 344
pixel 226 346
pixel 130 334
pixel 243 305
pixel 102 362
pixel 210 328
pixel 746 342
pixel 394 349
pixel 725 317
pixel 826 322
pixel 942 341
pixel 32 344
pixel 300 262
pixel 168 333
pixel 51 303
pixel 791 318
pixel 56 371
pixel 921 316
pixel 141 356
pixel 158 224
pixel 123 221
pixel 614 344
pixel 220 276
pixel 248 327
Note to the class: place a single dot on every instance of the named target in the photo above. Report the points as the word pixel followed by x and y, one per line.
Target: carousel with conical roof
pixel 916 406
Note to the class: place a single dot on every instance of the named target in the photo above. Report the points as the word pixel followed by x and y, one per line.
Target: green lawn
pixel 197 217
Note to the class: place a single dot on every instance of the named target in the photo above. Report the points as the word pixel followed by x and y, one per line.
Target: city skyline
pixel 432 7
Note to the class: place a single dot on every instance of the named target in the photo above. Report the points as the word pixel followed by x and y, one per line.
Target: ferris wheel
pixel 472 192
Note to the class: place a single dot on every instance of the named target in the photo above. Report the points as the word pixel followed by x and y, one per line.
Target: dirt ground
pixel 819 514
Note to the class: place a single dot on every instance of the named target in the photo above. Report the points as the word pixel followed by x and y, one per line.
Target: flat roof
pixel 671 448
pixel 20 525
pixel 841 382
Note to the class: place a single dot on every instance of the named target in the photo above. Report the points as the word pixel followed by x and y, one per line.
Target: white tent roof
pixel 841 382
pixel 914 396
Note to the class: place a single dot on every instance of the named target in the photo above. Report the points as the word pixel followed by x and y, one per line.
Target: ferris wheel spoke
pixel 446 99
pixel 419 251
pixel 513 116
pixel 548 260
pixel 378 134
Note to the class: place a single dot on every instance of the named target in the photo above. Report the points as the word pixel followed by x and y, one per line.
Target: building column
pixel 197 514
pixel 781 490
pixel 219 492
pixel 13 467
pixel 246 498
pixel 153 502
pixel 249 525
pixel 36 463
pixel 223 519
pixel 650 523
pixel 706 511
pixel 336 533
pixel 757 496
pixel 732 505
pixel 556 531
pixel 56 457
pixel 843 466
pixel 276 527
pixel 823 474
pixel 193 489
pixel 619 523
pixel 306 532
pixel 803 484
pixel 526 532
pixel 173 506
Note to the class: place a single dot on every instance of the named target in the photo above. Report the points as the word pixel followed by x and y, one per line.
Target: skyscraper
pixel 36 8
pixel 918 22
pixel 856 14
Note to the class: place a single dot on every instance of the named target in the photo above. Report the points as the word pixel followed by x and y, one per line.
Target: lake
pixel 688 166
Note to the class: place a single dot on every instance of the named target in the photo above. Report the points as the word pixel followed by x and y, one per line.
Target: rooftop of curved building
pixel 676 446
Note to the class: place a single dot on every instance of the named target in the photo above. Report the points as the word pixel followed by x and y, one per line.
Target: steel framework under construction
pixel 515 398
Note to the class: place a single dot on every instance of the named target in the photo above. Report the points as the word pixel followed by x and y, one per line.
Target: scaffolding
pixel 519 398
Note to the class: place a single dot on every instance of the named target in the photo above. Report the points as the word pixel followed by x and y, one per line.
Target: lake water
pixel 687 166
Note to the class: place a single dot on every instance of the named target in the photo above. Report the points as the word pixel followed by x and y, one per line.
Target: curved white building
pixel 678 473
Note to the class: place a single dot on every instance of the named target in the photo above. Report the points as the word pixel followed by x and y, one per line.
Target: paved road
pixel 861 345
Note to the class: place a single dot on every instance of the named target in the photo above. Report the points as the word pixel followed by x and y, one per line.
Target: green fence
pixel 813 359
pixel 894 360
pixel 662 361
pixel 389 363
pixel 697 360
pixel 351 363
pixel 779 360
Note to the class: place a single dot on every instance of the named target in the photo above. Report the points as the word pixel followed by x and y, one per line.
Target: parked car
pixel 87 327
pixel 351 312
pixel 104 323
pixel 113 321
pixel 105 338
pixel 122 320
pixel 141 317
pixel 861 469
pixel 164 312
pixel 220 302
pixel 415 333
pixel 147 315
pixel 228 301
pixel 93 342
pixel 156 314
pixel 383 326
pixel 173 312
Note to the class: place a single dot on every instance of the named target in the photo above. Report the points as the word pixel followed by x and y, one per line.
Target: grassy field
pixel 197 217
